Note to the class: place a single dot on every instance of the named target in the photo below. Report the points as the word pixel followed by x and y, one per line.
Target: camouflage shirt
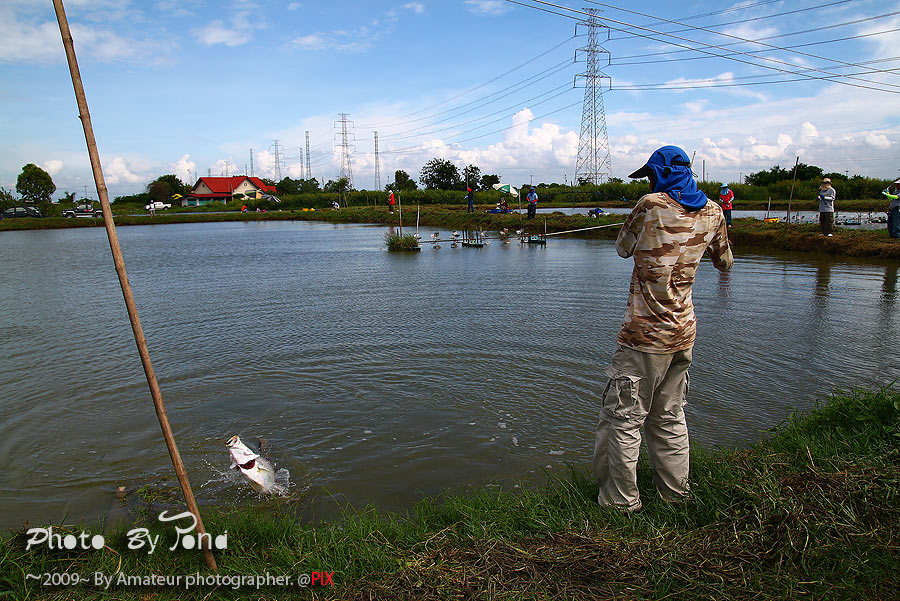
pixel 667 242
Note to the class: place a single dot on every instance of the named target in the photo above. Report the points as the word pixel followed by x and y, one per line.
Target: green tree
pixel 289 186
pixel 778 174
pixel 6 198
pixel 402 181
pixel 440 174
pixel 159 191
pixel 309 185
pixel 340 186
pixel 35 185
pixel 175 184
pixel 165 186
pixel 488 180
pixel 471 176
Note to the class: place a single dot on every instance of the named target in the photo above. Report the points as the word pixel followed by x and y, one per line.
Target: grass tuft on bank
pixel 812 511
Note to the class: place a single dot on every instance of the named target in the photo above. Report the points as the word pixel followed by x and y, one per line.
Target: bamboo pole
pixel 139 339
pixel 793 181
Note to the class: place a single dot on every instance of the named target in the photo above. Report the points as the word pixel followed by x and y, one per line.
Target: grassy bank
pixel 811 512
pixel 745 233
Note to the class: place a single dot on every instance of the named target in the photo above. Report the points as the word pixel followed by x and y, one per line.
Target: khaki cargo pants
pixel 650 390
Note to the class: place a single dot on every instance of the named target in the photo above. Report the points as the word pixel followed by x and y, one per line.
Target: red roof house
pixel 222 189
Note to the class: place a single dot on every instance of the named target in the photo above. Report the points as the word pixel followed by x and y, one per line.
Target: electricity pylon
pixel 593 164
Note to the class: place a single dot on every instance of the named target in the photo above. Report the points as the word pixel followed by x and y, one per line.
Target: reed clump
pixel 401 241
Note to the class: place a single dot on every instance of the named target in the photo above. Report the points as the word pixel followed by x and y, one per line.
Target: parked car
pixel 158 206
pixel 17 212
pixel 83 210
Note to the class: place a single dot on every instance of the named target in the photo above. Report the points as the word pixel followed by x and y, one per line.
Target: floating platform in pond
pixel 534 240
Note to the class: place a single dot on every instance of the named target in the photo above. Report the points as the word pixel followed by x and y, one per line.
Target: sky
pixel 192 87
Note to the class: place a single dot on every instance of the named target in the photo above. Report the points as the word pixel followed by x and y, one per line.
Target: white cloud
pixel 294 6
pixel 361 41
pixel 488 7
pixel 238 32
pixel 526 147
pixel 52 166
pixel 416 7
pixel 312 41
pixel 30 39
pixel 185 169
pixel 808 133
pixel 878 141
pixel 123 171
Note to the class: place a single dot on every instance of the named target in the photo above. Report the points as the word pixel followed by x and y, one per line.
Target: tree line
pixel 440 178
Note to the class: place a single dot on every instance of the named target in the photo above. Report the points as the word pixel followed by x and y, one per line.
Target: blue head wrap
pixel 671 170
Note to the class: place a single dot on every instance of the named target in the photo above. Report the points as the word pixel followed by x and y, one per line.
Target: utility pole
pixel 346 169
pixel 593 163
pixel 276 153
pixel 308 168
pixel 377 165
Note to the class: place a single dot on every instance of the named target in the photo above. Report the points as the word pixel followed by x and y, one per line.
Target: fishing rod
pixel 581 229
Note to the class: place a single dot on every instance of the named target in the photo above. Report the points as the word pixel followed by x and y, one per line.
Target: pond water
pixel 380 377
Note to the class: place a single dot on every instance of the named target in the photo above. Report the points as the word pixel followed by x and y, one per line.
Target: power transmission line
pixel 470 90
pixel 834 77
pixel 745 40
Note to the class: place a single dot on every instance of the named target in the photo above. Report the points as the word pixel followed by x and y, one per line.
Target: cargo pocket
pixel 620 398
pixel 687 388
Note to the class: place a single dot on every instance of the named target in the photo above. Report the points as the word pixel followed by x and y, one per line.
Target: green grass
pixel 811 512
pixel 400 242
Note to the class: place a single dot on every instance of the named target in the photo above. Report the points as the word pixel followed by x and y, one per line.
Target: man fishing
pixel 532 199
pixel 667 233
pixel 893 220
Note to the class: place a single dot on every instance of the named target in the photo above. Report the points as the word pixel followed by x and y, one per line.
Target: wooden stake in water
pixel 139 339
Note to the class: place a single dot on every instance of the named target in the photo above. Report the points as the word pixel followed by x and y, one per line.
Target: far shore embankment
pixel 745 234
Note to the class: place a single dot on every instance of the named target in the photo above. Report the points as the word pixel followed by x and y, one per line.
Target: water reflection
pixel 724 284
pixel 889 287
pixel 823 286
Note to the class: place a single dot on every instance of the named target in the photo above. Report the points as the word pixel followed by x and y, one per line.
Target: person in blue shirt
pixel 893 221
pixel 532 199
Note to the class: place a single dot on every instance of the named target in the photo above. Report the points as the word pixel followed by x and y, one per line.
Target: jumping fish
pixel 258 471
